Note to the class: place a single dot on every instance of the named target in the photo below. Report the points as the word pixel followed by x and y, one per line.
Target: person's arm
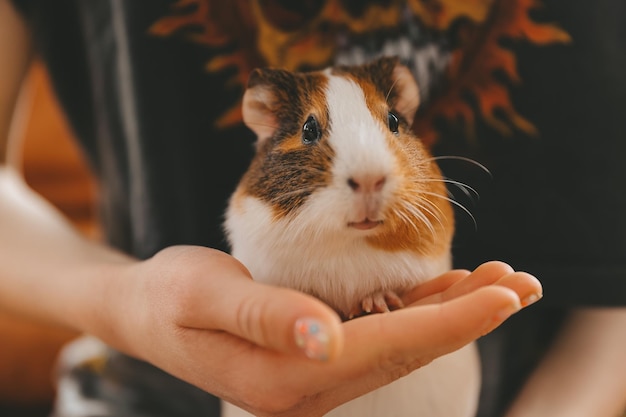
pixel 584 373
pixel 196 313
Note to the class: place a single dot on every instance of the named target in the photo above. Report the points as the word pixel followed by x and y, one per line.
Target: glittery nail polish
pixel 312 338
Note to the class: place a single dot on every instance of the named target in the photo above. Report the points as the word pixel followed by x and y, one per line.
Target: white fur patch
pixel 309 255
pixel 358 140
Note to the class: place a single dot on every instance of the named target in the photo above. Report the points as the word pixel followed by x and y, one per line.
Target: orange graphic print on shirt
pixel 312 34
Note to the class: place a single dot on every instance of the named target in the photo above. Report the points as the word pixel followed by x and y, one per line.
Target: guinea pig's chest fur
pixel 341 200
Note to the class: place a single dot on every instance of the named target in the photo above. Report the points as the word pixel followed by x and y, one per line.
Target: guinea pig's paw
pixel 378 302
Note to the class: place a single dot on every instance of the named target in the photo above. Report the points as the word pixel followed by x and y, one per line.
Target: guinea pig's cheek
pixel 329 208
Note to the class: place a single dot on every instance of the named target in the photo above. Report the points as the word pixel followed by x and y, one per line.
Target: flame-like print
pixel 252 33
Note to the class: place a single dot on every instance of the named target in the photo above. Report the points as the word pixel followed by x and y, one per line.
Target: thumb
pixel 285 320
pixel 280 319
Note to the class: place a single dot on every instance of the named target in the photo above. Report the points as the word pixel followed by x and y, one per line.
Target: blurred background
pixel 54 166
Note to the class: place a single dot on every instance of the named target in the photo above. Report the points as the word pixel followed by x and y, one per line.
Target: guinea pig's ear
pixel 407 92
pixel 399 85
pixel 260 105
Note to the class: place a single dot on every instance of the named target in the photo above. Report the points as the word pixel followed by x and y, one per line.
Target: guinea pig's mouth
pixel 366 224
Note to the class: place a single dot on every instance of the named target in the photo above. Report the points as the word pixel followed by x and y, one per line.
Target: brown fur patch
pixel 421 188
pixel 285 171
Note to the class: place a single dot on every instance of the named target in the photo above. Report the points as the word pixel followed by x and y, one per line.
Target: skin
pixel 196 313
pixel 584 372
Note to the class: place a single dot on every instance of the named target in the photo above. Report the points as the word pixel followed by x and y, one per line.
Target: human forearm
pixel 584 374
pixel 197 314
pixel 48 271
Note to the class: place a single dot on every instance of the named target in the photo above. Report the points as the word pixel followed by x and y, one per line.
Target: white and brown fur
pixel 355 218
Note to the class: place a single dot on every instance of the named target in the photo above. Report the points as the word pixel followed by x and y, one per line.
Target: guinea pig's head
pixel 336 158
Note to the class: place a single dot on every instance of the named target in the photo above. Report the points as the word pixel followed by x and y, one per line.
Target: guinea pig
pixel 342 201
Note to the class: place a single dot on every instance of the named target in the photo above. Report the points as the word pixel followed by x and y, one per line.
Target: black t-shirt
pixel 537 96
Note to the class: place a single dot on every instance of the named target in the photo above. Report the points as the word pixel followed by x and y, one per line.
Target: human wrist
pixel 103 303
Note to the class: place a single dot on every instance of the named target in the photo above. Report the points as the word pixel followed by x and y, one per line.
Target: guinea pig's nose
pixel 367 183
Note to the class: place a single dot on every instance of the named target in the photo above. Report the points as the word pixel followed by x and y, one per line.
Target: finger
pixel 485 274
pixel 384 346
pixel 436 327
pixel 434 286
pixel 489 273
pixel 280 319
pixel 527 287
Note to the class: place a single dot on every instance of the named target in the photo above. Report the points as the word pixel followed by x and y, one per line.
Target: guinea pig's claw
pixel 379 302
pixel 394 302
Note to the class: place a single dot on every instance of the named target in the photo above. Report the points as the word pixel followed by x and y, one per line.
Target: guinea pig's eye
pixel 311 132
pixel 392 122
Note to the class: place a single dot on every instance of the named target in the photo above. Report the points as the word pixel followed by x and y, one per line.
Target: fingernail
pixel 507 312
pixel 531 299
pixel 312 338
pixel 502 315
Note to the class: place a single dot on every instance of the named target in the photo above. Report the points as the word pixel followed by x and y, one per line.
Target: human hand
pixel 196 313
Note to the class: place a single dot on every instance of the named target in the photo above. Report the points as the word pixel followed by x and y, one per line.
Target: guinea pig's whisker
pixel 390 90
pixel 424 219
pixel 464 159
pixel 467 189
pixel 407 219
pixel 429 204
pixel 424 207
pixel 456 203
pixel 417 211
pixel 432 213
